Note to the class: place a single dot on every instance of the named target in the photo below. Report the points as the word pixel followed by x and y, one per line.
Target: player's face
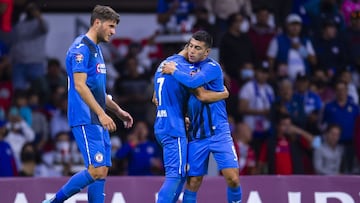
pixel 197 51
pixel 105 30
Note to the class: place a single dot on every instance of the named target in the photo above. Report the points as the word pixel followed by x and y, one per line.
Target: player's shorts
pixel 94 144
pixel 223 150
pixel 174 154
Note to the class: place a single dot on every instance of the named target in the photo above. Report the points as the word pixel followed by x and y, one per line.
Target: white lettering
pixel 73 199
pixel 321 197
pixel 254 197
pixel 118 198
pixel 181 196
pixel 294 197
pixel 20 198
pixel 161 113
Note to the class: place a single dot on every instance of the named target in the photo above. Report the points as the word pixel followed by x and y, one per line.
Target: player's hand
pixel 187 123
pixel 107 122
pixel 226 91
pixel 155 101
pixel 126 118
pixel 169 67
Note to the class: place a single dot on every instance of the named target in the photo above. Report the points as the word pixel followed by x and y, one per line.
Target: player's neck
pixel 92 36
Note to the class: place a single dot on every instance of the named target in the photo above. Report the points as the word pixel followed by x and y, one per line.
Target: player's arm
pixel 88 97
pixel 208 96
pixel 206 75
pixel 119 112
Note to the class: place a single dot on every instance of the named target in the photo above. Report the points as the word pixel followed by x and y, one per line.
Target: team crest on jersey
pixel 99 157
pixel 79 58
pixel 193 72
pixel 100 68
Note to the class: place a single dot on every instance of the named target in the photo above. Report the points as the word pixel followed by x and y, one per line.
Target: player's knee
pixel 233 180
pixel 193 183
pixel 98 172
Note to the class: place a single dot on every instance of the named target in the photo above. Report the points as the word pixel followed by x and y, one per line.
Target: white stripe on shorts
pixel 180 157
pixel 86 144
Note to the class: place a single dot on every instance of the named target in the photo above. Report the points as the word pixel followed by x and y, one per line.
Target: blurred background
pixel 291 67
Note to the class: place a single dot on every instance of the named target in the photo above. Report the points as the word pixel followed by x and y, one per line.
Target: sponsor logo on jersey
pixel 79 58
pixel 101 68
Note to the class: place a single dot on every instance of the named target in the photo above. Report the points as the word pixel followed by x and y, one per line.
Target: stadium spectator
pixel 129 89
pixel 59 120
pixel 8 166
pixel 343 112
pixel 321 84
pixel 353 36
pixel 19 133
pixel 330 49
pixel 292 49
pixel 286 104
pixel 282 153
pixel 255 100
pixel 202 23
pixel 54 77
pixel 320 11
pixel 142 154
pixel 242 136
pixel 235 49
pixel 40 123
pixel 63 160
pixel 172 13
pixel 348 7
pixel 261 33
pixel 222 10
pixel 309 101
pixel 20 104
pixel 346 76
pixel 28 156
pixel 328 157
pixel 29 35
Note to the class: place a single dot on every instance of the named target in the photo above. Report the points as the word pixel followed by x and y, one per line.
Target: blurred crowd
pixel 291 67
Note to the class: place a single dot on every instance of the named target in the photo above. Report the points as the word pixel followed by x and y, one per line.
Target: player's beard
pixel 101 35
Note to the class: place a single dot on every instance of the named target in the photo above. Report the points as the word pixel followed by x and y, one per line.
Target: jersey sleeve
pixel 79 59
pixel 208 72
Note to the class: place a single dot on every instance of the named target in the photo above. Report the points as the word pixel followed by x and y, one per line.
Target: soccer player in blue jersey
pixel 171 98
pixel 209 130
pixel 87 100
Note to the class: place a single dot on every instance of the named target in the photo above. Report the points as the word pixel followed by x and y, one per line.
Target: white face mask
pixel 63 146
pixel 244 26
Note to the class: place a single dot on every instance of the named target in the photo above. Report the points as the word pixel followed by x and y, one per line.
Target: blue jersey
pixel 207 119
pixel 84 56
pixel 172 98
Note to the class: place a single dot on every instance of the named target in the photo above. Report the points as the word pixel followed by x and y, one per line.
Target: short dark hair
pixel 232 18
pixel 203 36
pixel 331 126
pixel 104 13
pixel 282 116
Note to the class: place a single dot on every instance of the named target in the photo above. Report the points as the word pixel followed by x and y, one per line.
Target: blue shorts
pixel 94 144
pixel 174 154
pixel 223 150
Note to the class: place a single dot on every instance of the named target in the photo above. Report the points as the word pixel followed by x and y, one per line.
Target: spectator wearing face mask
pixel 28 160
pixel 19 133
pixel 255 100
pixel 235 51
pixel 64 159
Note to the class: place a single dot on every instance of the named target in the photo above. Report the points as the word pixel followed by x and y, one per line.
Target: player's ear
pixel 207 51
